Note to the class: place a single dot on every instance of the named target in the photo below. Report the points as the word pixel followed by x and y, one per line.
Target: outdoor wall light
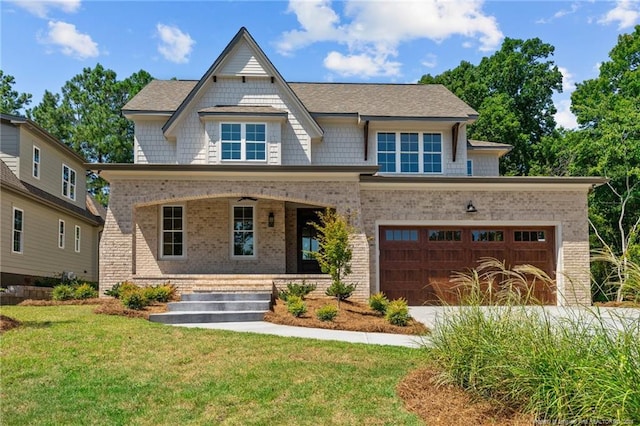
pixel 471 208
pixel 272 220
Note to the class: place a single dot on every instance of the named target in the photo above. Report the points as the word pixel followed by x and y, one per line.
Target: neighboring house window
pixel 387 152
pixel 173 231
pixel 36 162
pixel 68 182
pixel 419 152
pixel 18 229
pixel 77 239
pixel 469 167
pixel 243 233
pixel 61 233
pixel 244 141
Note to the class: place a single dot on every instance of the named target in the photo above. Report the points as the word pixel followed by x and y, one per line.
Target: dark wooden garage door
pixel 417 262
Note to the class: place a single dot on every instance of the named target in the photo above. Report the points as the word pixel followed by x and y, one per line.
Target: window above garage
pixel 409 152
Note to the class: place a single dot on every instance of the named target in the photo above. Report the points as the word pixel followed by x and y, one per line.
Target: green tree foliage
pixel 12 101
pixel 511 90
pixel 86 116
pixel 608 144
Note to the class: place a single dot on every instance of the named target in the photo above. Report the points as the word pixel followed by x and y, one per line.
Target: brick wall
pixel 567 210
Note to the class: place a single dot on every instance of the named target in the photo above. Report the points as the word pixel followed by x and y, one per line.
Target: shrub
pixel 63 292
pixel 296 306
pixel 379 302
pixel 340 290
pixel 295 289
pixel 120 289
pixel 113 291
pixel 398 312
pixel 134 299
pixel 159 293
pixel 85 291
pixel 327 313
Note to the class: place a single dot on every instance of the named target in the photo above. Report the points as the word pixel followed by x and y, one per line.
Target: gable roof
pixel 160 96
pixel 10 181
pixel 18 120
pixel 243 34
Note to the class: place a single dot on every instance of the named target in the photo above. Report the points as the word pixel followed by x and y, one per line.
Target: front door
pixel 307 242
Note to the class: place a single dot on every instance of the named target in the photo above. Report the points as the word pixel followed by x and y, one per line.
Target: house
pixel 229 170
pixel 50 224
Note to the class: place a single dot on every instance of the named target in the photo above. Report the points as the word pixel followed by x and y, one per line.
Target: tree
pixel 87 118
pixel 608 144
pixel 334 254
pixel 12 101
pixel 512 91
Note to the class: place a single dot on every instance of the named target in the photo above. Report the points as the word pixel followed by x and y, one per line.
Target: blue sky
pixel 46 43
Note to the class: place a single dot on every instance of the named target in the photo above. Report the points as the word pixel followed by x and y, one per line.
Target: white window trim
pixel 234 256
pixel 69 187
pixel 77 239
pixel 161 254
pixel 421 152
pixel 13 231
pixel 62 230
pixel 243 141
pixel 36 164
pixel 469 163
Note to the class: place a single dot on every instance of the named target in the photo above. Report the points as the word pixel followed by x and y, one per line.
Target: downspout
pixel 366 140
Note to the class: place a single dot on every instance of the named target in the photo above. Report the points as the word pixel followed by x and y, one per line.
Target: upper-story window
pixel 36 162
pixel 409 152
pixel 469 167
pixel 244 141
pixel 68 182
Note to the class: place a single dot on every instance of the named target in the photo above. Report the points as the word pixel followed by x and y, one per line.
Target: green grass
pixel 66 365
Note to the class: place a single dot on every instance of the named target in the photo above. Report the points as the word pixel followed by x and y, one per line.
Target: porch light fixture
pixel 272 220
pixel 471 208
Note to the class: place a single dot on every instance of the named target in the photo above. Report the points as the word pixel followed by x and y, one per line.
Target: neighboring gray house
pixel 50 224
pixel 229 170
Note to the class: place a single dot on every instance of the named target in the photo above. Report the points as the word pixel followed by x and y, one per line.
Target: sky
pixel 46 43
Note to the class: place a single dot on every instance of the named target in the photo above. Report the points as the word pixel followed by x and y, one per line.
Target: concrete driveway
pixel 612 318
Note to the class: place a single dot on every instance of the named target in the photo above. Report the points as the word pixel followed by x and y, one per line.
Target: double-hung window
pixel 243 141
pixel 243 233
pixel 409 152
pixel 61 233
pixel 469 167
pixel 173 242
pixel 17 231
pixel 77 239
pixel 36 162
pixel 68 182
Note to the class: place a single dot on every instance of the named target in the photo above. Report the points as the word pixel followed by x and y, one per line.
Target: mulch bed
pixel 625 304
pixel 8 323
pixel 104 306
pixel 352 316
pixel 448 405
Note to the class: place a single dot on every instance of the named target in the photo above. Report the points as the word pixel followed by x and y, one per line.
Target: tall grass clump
pixel 576 369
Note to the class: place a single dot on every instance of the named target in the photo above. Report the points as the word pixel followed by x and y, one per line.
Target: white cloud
pixel 626 13
pixel 70 41
pixel 372 31
pixel 568 84
pixel 174 45
pixel 564 117
pixel 41 8
pixel 430 61
pixel 559 14
pixel 362 65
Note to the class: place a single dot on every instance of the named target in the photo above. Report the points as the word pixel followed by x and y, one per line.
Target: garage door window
pixel 486 236
pixel 529 236
pixel 445 235
pixel 401 235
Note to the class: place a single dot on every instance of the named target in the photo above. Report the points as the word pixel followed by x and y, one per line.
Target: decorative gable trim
pixel 210 76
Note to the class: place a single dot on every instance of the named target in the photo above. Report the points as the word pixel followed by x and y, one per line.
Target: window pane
pixel 256 132
pixel 256 151
pixel 230 132
pixel 387 152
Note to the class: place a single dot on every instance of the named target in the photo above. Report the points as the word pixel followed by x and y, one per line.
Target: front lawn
pixel 67 365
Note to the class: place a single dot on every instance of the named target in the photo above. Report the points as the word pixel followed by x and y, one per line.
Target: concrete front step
pixel 205 317
pixel 198 308
pixel 224 296
pixel 220 306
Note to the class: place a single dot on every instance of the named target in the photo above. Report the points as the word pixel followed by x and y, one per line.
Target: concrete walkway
pixel 612 318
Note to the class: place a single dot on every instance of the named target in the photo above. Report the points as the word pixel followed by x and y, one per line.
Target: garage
pixel 416 262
